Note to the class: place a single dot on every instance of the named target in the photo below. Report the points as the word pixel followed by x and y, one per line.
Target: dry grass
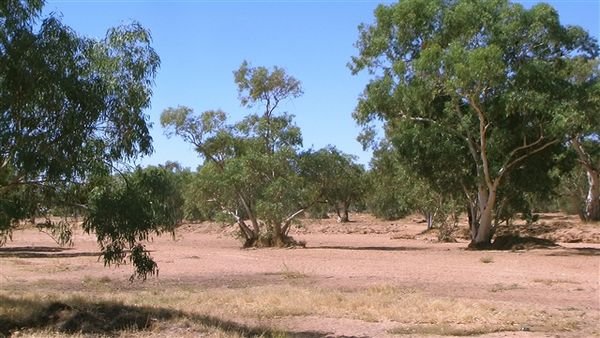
pixel 551 282
pixel 214 312
pixel 505 287
pixel 486 259
pixel 455 330
pixel 288 273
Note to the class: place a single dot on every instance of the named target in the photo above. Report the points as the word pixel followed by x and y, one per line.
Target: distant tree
pixel 339 180
pixel 396 190
pixel 251 169
pixel 582 122
pixel 476 87
pixel 72 108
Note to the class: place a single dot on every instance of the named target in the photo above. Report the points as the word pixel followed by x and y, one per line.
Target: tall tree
pixel 251 169
pixel 71 107
pixel 583 129
pixel 482 80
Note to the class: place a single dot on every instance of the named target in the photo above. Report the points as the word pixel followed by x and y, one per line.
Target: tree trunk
pixel 484 231
pixel 592 202
pixel 278 239
pixel 343 214
pixel 429 218
pixel 483 228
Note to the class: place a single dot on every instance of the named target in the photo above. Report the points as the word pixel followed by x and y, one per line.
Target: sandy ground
pixel 364 253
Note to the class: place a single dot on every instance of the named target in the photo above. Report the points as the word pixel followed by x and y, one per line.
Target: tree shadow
pixel 576 252
pixel 364 248
pixel 108 318
pixel 43 252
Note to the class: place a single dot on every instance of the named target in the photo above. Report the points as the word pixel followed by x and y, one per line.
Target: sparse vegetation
pixel 505 287
pixel 551 282
pixel 486 259
pixel 206 310
pixel 489 110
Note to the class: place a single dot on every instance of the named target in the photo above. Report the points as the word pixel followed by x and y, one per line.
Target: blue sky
pixel 201 43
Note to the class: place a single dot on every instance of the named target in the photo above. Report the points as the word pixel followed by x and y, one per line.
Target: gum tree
pixel 339 180
pixel 482 80
pixel 583 130
pixel 71 110
pixel 251 169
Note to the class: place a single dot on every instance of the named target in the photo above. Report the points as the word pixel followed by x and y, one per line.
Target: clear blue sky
pixel 202 42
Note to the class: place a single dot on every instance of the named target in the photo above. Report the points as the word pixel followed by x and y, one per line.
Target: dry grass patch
pixel 551 282
pixel 162 311
pixel 448 330
pixel 383 303
pixel 505 287
pixel 486 259
pixel 76 316
pixel 288 273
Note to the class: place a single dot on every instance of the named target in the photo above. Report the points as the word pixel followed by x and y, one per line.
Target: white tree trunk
pixel 592 202
pixel 486 210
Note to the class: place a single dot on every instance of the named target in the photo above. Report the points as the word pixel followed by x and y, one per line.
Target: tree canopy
pixel 72 107
pixel 477 87
pixel 251 170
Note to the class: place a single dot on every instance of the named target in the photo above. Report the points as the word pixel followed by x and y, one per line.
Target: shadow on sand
pixel 365 248
pixel 108 318
pixel 43 252
pixel 576 252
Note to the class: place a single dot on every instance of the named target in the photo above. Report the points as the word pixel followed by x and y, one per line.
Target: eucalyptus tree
pixel 583 130
pixel 127 209
pixel 251 168
pixel 339 180
pixel 477 85
pixel 71 107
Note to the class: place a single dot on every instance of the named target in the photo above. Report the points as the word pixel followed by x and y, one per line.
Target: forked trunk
pixel 343 214
pixel 592 202
pixel 250 236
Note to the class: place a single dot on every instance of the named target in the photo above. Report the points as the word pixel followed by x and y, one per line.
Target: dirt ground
pixel 366 253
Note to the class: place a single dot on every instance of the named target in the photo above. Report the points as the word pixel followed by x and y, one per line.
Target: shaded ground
pixel 352 280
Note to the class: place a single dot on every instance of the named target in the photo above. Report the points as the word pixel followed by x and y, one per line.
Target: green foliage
pixel 70 106
pixel 126 210
pixel 81 103
pixel 397 191
pixel 337 179
pixel 389 195
pixel 259 85
pixel 251 169
pixel 472 92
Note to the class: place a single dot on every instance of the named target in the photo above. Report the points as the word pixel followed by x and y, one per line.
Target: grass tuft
pixel 486 259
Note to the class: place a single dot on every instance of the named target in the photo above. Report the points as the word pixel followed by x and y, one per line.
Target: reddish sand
pixel 355 255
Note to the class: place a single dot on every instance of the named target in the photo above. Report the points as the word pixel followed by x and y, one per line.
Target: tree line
pixel 488 109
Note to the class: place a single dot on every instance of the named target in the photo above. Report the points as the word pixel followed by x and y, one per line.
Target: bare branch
pixel 239 221
pixel 289 219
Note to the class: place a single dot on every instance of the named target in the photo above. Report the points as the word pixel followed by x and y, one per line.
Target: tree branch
pixel 240 222
pixel 584 158
pixel 483 126
pixel 508 164
pixel 288 221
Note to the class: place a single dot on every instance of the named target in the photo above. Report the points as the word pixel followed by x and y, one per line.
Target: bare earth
pixel 366 254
